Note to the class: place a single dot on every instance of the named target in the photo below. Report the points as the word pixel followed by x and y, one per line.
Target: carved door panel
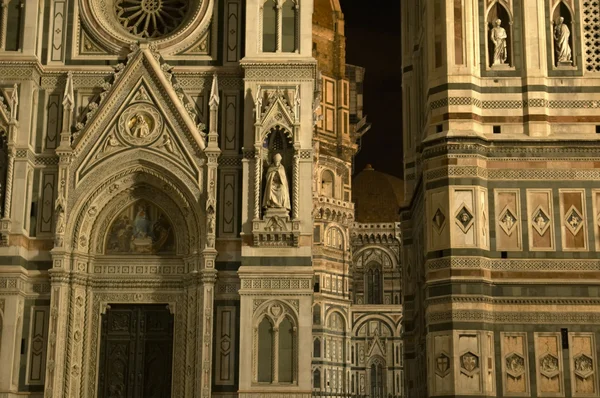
pixel 136 352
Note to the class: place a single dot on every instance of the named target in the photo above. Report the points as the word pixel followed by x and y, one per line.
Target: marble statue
pixel 498 36
pixel 561 42
pixel 276 186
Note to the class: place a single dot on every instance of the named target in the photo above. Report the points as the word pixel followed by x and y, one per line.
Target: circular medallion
pixel 151 18
pixel 171 25
pixel 140 124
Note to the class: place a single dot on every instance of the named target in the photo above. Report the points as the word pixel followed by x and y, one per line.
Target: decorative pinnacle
pixel 14 99
pixel 69 97
pixel 214 92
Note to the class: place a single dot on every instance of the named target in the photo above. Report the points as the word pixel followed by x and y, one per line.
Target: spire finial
pixel 214 92
pixel 69 97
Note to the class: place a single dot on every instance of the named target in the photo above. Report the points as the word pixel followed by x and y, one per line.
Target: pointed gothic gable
pixel 278 111
pixel 141 113
pixel 376 348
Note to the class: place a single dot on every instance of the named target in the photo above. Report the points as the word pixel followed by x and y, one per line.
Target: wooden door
pixel 136 352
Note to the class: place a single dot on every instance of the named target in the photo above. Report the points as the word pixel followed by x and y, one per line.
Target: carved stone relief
pixel 515 367
pixel 584 375
pixel 541 226
pixel 573 219
pixel 548 354
pixel 508 219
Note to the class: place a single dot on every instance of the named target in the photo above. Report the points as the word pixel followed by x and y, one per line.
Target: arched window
pixel 327 186
pixel 265 351
pixel 563 35
pixel 289 26
pixel 280 26
pixel 317 378
pixel 374 284
pixel 275 354
pixel 286 351
pixel 269 31
pixel 498 12
pixel 317 348
pixel 377 380
pixel 334 238
pixel 316 314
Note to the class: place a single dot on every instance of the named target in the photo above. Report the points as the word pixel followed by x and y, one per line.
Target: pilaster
pixel 10 355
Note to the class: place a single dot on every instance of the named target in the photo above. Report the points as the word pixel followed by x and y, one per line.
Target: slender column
pixel 10 169
pixel 11 339
pixel 295 355
pixel 279 24
pixel 296 188
pixel 275 354
pixel 3 23
pixel 209 277
pixel 257 176
pixel 57 332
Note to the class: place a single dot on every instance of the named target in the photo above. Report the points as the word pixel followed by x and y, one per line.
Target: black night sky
pixel 373 42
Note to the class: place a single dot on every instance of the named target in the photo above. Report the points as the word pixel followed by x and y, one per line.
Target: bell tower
pixel 276 258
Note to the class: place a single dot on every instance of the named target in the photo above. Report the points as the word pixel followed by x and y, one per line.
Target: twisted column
pixel 296 188
pixel 257 175
pixel 3 23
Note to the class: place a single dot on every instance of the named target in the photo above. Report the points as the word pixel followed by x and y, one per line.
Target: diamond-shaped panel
pixel 439 220
pixel 464 218
pixel 508 221
pixel 573 220
pixel 540 221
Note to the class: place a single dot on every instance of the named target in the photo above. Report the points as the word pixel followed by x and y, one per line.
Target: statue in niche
pixel 276 186
pixel 562 35
pixel 498 36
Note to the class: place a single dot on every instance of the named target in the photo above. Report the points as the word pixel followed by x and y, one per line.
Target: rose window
pixel 151 18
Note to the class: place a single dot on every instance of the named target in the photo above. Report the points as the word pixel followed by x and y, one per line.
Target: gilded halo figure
pixel 276 186
pixel 140 128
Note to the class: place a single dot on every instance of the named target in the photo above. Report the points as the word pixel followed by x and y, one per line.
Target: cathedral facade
pixel 501 226
pixel 178 215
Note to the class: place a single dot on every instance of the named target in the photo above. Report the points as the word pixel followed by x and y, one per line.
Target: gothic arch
pixel 564 10
pixel 276 312
pixel 336 312
pixel 499 9
pixel 266 309
pixel 372 317
pixel 95 208
pixel 377 360
pixel 338 309
pixel 328 184
pixel 333 234
pixel 387 251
